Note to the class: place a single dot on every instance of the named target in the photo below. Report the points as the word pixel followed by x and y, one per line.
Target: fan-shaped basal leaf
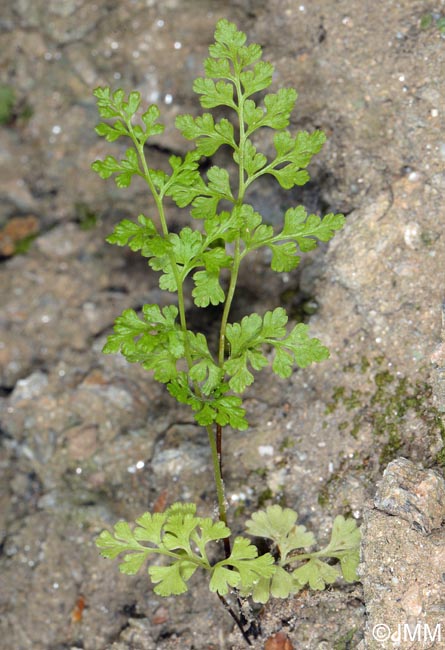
pixel 349 563
pixel 345 534
pixel 273 523
pixel 172 580
pixel 278 524
pixel 345 546
pixel 280 585
pixel 223 580
pixel 133 562
pixel 149 527
pixel 211 531
pixel 260 592
pixel 122 540
pixel 316 573
pixel 178 529
pixel 251 567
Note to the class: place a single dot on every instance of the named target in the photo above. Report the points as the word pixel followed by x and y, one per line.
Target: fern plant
pixel 211 382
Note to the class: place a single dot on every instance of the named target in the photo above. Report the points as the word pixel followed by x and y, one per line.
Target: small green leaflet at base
pixel 247 566
pixel 316 573
pixel 279 525
pixel 182 538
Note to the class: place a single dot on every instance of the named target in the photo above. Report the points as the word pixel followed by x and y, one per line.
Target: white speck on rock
pixel 265 450
pixel 412 235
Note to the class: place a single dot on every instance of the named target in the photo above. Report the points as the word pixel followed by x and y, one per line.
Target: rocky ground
pixel 87 439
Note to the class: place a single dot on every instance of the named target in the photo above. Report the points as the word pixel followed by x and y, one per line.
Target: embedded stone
pixel 414 494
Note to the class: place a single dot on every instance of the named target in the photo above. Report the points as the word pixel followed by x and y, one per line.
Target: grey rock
pixel 14 190
pixel 29 387
pixel 62 242
pixel 438 369
pixel 16 358
pixel 413 494
pixel 186 459
pixel 401 572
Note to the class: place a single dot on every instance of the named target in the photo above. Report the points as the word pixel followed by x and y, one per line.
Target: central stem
pixel 226 540
pixel 216 441
pixel 237 256
pixel 215 447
